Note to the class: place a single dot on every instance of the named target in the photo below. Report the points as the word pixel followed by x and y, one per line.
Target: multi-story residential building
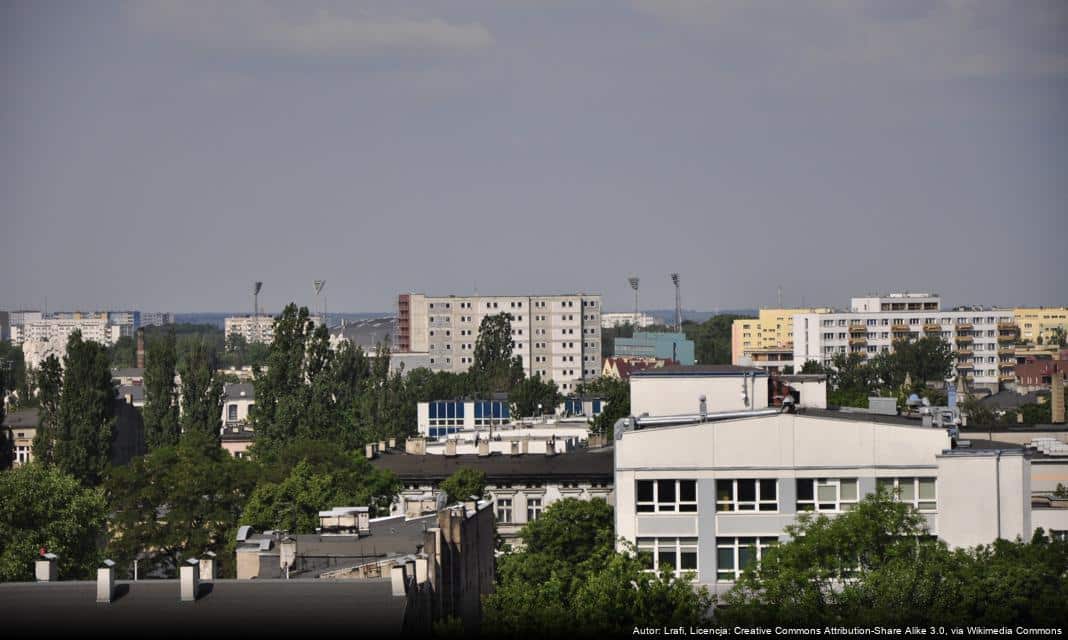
pixel 42 338
pixel 662 345
pixel 156 318
pixel 557 337
pixel 620 318
pixel 1040 322
pixel 766 341
pixel 22 317
pixel 237 434
pixel 254 328
pixel 5 326
pixel 982 337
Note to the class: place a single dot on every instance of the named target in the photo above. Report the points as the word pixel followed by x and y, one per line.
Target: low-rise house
pixel 236 434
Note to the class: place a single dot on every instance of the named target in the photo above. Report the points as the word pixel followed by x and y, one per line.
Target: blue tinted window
pixel 596 407
pixel 478 409
pixel 504 410
pixel 433 410
pixel 459 409
pixel 450 408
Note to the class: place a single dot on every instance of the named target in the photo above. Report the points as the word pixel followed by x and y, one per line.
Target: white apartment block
pixel 619 318
pixel 557 337
pixel 982 337
pixel 59 329
pixel 255 328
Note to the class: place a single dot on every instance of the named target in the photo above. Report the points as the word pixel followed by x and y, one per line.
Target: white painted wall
pixel 670 395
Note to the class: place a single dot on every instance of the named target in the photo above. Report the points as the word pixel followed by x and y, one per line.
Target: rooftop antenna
pixel 678 303
pixel 318 285
pixel 633 280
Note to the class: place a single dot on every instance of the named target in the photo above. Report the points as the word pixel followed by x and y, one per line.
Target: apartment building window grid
pixel 443 414
pixel 747 495
pixel 657 554
pixel 733 555
pixel 827 495
pixel 666 496
pixel 491 412
pixel 920 492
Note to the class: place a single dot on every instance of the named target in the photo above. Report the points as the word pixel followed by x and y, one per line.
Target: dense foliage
pixel 616 394
pixel 853 377
pixel 570 581
pixel 876 565
pixel 161 415
pixel 463 484
pixel 42 507
pixel 533 397
pixel 83 427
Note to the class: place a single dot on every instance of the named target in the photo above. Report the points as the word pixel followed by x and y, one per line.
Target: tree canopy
pixel 526 396
pixel 463 484
pixel 161 415
pixel 42 507
pixel 494 368
pixel 83 428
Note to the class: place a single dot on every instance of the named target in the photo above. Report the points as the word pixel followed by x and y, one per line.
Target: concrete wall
pixel 971 488
pixel 679 394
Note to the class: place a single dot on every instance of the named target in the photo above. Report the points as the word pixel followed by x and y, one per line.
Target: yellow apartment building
pixel 1035 322
pixel 773 329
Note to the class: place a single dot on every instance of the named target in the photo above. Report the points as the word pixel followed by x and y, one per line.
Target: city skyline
pixel 165 155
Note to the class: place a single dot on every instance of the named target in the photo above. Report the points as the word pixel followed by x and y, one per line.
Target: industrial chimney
pixel 1056 398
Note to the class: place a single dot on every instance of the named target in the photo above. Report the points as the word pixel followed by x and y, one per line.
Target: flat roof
pixel 699 370
pixel 245 608
pixel 593 464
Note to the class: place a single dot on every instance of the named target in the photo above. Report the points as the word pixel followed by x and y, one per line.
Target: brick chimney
pixel 141 347
pixel 1056 397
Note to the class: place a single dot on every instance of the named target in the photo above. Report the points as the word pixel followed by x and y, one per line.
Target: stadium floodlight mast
pixel 633 280
pixel 318 285
pixel 256 286
pixel 678 303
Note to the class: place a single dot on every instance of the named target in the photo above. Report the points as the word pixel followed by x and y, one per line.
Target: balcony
pixel 964 339
pixel 899 328
pixel 1008 326
pixel 965 351
pixel 932 327
pixel 1004 350
pixel 858 340
pixel 1006 337
pixel 961 366
pixel 1007 377
pixel 964 326
pixel 858 328
pixel 1007 364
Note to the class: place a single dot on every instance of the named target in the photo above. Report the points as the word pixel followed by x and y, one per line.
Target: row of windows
pixel 504 509
pixel 873 322
pixel 733 554
pixel 813 494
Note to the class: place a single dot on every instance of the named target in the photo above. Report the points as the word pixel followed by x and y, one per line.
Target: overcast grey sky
pixel 162 155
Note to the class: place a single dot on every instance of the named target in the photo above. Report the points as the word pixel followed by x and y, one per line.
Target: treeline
pixel 711 338
pixel 234 351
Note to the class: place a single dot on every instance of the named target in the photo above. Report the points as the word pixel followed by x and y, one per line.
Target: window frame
pixel 816 503
pixel 760 547
pixel 895 483
pixel 734 504
pixel 655 546
pixel 675 505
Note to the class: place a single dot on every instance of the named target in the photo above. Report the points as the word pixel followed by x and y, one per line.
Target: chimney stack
pixel 190 579
pixel 397 578
pixel 415 446
pixel 1056 397
pixel 45 567
pixel 450 447
pixel 105 582
pixel 141 347
pixel 207 566
pixel 483 448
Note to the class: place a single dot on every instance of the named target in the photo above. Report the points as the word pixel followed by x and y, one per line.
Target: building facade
pixel 665 346
pixel 983 338
pixel 237 434
pixel 254 328
pixel 773 329
pixel 712 497
pixel 1040 322
pixel 620 318
pixel 557 337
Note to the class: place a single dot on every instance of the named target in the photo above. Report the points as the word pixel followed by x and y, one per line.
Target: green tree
pixel 161 415
pixel 49 382
pixel 494 367
pixel 463 484
pixel 201 393
pixel 177 502
pixel 280 388
pixel 123 353
pixel 294 503
pixel 7 441
pixel 1056 336
pixel 927 359
pixel 976 414
pixel 851 373
pixel 712 338
pixel 86 411
pixel 19 378
pixel 615 393
pixel 569 581
pixel 526 396
pixel 813 367
pixel 42 507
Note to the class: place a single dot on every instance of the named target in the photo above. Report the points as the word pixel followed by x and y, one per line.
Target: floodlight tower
pixel 318 285
pixel 256 286
pixel 633 280
pixel 678 303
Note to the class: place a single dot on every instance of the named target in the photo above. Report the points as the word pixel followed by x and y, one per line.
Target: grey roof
pixel 128 372
pixel 367 333
pixel 318 553
pixel 593 464
pixel 136 391
pixel 698 370
pixel 860 416
pixel 1007 399
pixel 233 391
pixel 245 608
pixel 21 419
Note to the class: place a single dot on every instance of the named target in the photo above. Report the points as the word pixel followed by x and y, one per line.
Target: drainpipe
pixel 997 476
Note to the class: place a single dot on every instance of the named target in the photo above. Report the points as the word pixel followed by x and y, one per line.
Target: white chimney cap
pixel 193 561
pixel 50 556
pixel 210 554
pixel 108 563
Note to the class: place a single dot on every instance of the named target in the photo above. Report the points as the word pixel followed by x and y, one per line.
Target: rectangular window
pixel 533 509
pixel 658 496
pixel 826 494
pixel 747 495
pixel 504 510
pixel 231 412
pixel 919 492
pixel 662 554
pixel 733 555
